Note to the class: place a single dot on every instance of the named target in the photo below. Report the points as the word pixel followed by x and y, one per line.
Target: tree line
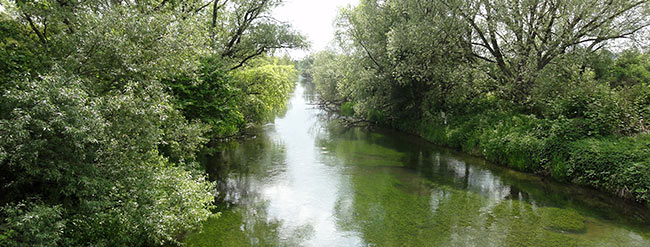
pixel 560 88
pixel 105 103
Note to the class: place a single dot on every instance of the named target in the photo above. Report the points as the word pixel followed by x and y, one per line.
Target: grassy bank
pixel 559 148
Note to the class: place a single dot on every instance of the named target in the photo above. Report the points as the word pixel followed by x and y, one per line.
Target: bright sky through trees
pixel 313 18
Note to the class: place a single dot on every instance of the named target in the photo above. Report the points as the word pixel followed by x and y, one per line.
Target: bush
pixel 509 139
pixel 563 148
pixel 602 110
pixel 213 99
pixel 514 141
pixel 152 204
pixel 94 161
pixel 618 165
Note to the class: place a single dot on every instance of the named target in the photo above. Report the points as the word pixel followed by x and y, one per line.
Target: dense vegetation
pixel 104 104
pixel 559 88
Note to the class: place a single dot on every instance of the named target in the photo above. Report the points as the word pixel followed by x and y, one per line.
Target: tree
pixel 265 86
pixel 521 37
pixel 246 30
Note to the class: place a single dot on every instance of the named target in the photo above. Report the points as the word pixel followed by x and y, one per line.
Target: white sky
pixel 313 18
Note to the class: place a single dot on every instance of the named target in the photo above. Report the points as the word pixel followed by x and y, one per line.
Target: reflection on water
pixel 305 182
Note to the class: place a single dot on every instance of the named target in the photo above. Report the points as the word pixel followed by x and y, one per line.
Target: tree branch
pixel 257 53
pixel 35 29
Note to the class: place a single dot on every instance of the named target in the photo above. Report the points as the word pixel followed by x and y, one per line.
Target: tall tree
pixel 521 37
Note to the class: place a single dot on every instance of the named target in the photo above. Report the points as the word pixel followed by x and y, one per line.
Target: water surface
pixel 303 181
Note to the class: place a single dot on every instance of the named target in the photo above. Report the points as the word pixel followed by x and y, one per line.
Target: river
pixel 303 181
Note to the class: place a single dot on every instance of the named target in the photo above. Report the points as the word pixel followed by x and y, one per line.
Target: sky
pixel 313 18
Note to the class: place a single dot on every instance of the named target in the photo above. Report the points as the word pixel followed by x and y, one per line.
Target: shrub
pixel 151 204
pixel 618 165
pixel 94 161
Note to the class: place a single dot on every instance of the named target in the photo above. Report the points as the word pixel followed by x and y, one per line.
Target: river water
pixel 304 181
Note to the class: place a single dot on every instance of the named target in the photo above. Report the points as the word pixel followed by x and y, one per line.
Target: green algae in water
pixel 564 220
pixel 224 230
pixel 517 223
pixel 361 153
pixel 386 212
pixel 235 227
pixel 388 207
pixel 520 224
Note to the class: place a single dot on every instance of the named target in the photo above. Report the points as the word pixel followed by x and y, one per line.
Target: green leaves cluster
pixel 95 160
pixel 229 100
pixel 266 86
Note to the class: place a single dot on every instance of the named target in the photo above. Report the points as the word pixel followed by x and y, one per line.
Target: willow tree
pixel 522 37
pixel 412 52
pixel 428 60
pixel 244 29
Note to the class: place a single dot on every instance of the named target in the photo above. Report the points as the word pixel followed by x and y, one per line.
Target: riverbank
pixel 559 149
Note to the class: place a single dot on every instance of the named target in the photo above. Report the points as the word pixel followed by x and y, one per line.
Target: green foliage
pixel 347 109
pixel 265 85
pixel 304 67
pixel 29 224
pixel 242 31
pixel 508 139
pixel 631 68
pixel 518 54
pixel 153 203
pixel 601 110
pixel 561 148
pixel 53 129
pixel 228 101
pixel 328 72
pixel 104 106
pixel 97 158
pixel 20 53
pixel 213 99
pixel 617 165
